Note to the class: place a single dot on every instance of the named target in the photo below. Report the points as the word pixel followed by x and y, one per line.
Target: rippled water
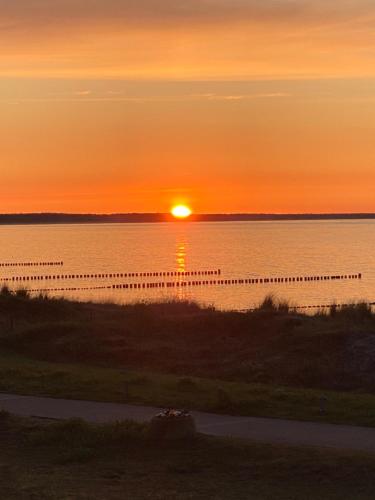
pixel 240 249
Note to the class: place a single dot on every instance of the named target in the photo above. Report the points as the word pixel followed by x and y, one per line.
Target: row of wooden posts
pixel 321 306
pixel 112 275
pixel 182 274
pixel 244 281
pixel 184 284
pixel 329 306
pixel 71 289
pixel 31 264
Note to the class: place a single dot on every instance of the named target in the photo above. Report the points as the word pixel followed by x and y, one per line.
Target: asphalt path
pixel 266 430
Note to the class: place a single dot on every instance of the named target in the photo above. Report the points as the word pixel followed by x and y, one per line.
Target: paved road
pixel 265 430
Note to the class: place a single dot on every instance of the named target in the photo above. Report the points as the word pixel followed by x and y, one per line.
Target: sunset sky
pixel 227 105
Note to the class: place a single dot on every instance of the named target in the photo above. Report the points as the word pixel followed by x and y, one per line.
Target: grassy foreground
pixel 73 460
pixel 269 362
pixel 21 375
pixel 272 345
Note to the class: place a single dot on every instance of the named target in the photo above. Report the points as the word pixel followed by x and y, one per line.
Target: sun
pixel 181 211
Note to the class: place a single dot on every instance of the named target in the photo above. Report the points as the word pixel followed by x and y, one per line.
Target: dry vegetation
pixel 74 460
pixel 271 362
pixel 272 345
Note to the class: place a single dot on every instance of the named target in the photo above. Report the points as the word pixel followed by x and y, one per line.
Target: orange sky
pixel 229 105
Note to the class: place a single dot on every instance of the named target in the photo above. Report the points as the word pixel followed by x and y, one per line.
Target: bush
pixel 360 311
pixel 76 433
pixel 22 293
pixel 273 305
pixel 186 384
pixel 4 416
pixel 223 400
pixel 354 312
pixel 5 291
pixel 173 428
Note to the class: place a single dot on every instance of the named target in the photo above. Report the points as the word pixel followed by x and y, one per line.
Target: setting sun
pixel 181 211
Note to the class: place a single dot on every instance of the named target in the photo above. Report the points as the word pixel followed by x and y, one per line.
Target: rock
pixel 173 425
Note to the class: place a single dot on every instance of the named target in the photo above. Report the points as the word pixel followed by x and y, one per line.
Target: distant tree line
pixel 65 218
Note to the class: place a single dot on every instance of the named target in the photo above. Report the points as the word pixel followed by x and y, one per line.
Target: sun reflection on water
pixel 181 251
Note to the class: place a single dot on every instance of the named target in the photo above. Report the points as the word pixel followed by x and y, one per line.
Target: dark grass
pixel 22 375
pixel 272 344
pixel 73 459
pixel 75 441
pixel 268 362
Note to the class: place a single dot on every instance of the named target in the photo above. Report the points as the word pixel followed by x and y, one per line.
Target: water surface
pixel 239 249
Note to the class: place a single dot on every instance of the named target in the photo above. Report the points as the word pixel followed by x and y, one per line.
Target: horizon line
pixel 203 214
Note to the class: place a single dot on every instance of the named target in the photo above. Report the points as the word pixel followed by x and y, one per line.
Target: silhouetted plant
pixel 223 400
pixel 272 304
pixel 268 304
pixel 333 310
pixel 283 306
pixel 356 312
pixel 5 290
pixel 186 384
pixel 22 293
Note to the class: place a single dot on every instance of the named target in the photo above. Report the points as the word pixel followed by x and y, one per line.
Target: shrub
pixel 80 434
pixel 5 290
pixel 186 384
pixel 223 400
pixel 358 312
pixel 4 416
pixel 333 310
pixel 173 428
pixel 271 304
pixel 22 293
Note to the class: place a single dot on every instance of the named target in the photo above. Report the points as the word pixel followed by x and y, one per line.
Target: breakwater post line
pixel 182 274
pixel 230 282
pixel 321 306
pixel 71 289
pixel 31 264
pixel 211 282
pixel 162 274
pixel 329 306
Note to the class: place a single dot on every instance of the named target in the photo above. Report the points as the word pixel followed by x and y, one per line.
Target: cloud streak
pixel 36 14
pixel 87 97
pixel 184 39
pixel 31 13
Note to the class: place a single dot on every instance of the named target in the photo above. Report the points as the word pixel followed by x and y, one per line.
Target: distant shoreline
pixel 62 218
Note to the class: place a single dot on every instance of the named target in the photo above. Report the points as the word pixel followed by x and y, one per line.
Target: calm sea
pixel 241 250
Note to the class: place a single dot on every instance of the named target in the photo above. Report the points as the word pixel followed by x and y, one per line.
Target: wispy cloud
pixel 87 96
pixel 241 97
pixel 41 13
pixel 184 39
pixel 83 92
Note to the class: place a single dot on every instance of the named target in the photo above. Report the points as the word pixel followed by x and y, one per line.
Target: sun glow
pixel 181 211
